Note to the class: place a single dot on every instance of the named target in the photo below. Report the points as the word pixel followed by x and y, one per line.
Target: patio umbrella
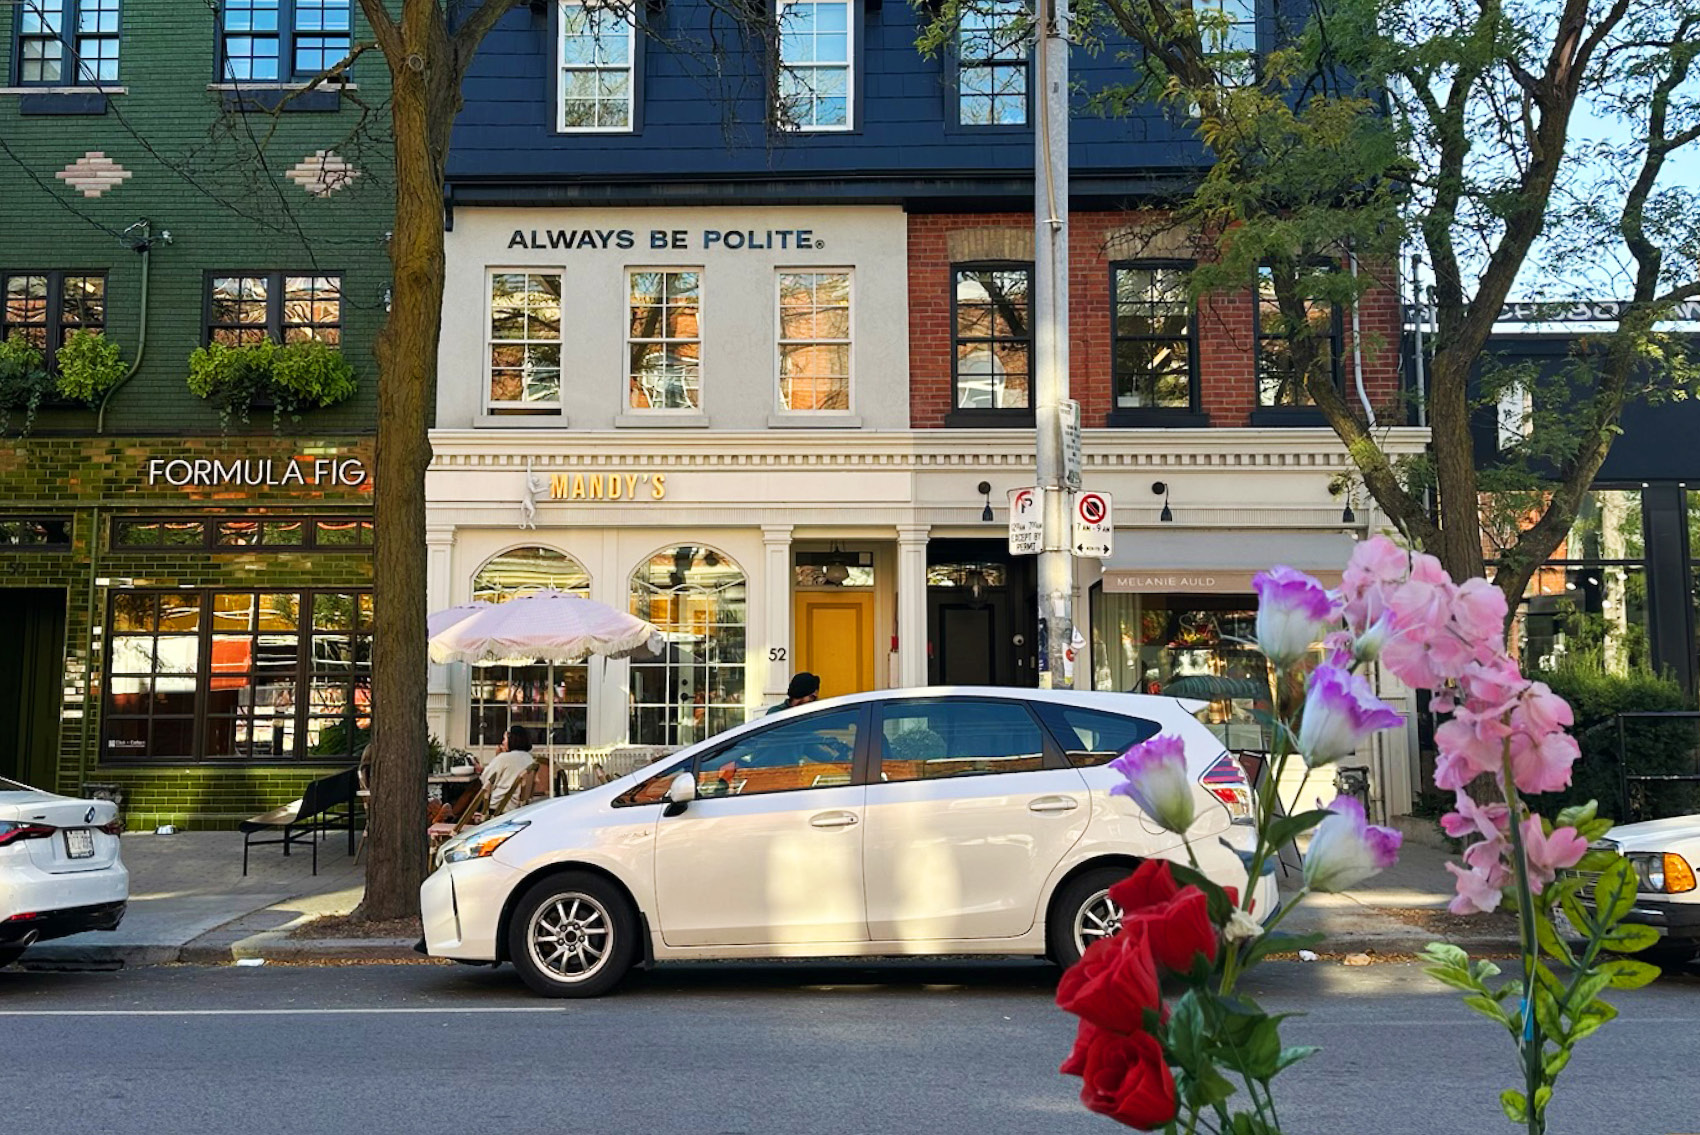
pixel 544 626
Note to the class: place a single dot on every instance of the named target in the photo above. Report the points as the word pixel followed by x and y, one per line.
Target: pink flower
pixel 1542 764
pixel 1469 746
pixel 1478 613
pixel 1377 566
pixel 1157 781
pixel 1479 892
pixel 1339 712
pixel 1486 820
pixel 1293 612
pixel 1544 711
pixel 1549 854
pixel 1346 849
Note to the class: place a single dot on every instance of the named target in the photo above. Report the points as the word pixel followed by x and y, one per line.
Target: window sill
pixel 661 420
pixel 520 422
pixel 814 420
pixel 1150 417
pixel 68 89
pixel 88 102
pixel 991 419
pixel 281 86
pixel 1290 416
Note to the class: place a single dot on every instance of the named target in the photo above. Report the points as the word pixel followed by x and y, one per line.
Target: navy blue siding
pixel 697 125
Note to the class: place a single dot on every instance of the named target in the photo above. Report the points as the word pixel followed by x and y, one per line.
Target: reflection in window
pixel 1153 336
pixel 46 308
pixel 39 533
pixel 814 340
pixel 695 687
pixel 814 65
pixel 1279 380
pixel 524 347
pixel 1228 32
pixel 1090 737
pixel 926 740
pixel 993 338
pixel 248 309
pixel 817 752
pixel 664 340
pixel 992 63
pixel 530 695
pixel 597 45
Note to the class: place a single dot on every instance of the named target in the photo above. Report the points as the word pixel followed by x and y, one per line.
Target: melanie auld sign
pixel 305 472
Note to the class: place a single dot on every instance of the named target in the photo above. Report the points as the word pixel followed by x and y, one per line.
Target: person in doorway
pixel 804 688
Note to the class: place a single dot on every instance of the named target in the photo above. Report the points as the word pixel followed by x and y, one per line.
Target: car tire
pixel 10 954
pixel 555 932
pixel 1081 912
pixel 1670 956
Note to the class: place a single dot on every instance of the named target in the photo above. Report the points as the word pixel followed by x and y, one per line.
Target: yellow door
pixel 835 639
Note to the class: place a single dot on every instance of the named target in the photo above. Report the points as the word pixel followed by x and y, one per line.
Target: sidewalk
pixel 189 902
pixel 1401 910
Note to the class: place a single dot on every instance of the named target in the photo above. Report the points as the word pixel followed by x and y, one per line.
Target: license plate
pixel 79 843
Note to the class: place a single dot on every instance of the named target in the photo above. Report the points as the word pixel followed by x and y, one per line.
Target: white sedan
pixel 60 873
pixel 936 821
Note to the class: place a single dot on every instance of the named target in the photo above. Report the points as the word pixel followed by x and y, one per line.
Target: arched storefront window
pixel 695 687
pixel 504 695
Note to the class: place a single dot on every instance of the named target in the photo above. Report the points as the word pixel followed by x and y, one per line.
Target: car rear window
pixel 1092 737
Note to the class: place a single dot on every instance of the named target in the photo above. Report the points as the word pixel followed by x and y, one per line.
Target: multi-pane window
pixel 1154 334
pixel 991 55
pixel 1228 32
pixel 44 308
pixel 1280 381
pixel 271 40
pixel 248 307
pixel 243 674
pixel 551 701
pixel 694 686
pixel 524 347
pixel 814 64
pixel 35 533
pixel 67 41
pixel 597 46
pixel 814 340
pixel 243 533
pixel 993 334
pixel 664 338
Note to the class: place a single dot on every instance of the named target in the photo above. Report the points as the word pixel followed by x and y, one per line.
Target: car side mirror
pixel 680 793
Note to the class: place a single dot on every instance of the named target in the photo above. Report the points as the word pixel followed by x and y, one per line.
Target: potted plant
pixel 89 365
pixel 310 374
pixel 24 381
pixel 289 379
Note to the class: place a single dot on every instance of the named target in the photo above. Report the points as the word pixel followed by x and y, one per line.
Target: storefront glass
pixel 536 694
pixel 1149 643
pixel 695 687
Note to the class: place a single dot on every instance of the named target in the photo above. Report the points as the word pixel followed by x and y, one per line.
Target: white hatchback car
pixel 922 821
pixel 60 873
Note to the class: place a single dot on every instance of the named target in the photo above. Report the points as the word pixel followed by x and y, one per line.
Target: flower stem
pixel 1533 1040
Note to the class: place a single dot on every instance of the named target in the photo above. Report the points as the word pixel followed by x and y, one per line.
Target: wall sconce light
pixel 984 488
pixel 1162 487
pixel 1347 516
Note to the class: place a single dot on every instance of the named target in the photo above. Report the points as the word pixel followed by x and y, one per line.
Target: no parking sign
pixel 1092 524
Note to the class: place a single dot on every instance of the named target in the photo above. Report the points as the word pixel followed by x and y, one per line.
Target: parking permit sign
pixel 1026 522
pixel 1092 524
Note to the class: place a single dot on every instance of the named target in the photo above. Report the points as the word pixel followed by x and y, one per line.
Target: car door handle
pixel 832 819
pixel 1053 804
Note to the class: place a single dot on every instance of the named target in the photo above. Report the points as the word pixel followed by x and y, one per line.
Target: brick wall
pixel 1227 390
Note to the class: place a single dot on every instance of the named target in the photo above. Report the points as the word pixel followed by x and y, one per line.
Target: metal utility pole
pixel 1050 337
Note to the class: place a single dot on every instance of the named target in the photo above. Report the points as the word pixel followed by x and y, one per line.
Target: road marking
pixel 266 1012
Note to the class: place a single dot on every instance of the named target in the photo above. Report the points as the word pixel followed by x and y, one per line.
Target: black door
pixel 980 615
pixel 32 662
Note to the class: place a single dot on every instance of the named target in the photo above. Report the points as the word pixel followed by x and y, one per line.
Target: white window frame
pixel 816 65
pixel 1004 57
pixel 628 342
pixel 779 340
pixel 521 408
pixel 1239 37
pixel 562 69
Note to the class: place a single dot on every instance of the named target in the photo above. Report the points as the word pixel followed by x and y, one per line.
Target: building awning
pixel 1219 562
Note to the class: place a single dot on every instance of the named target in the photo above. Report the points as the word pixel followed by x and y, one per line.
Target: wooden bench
pixel 325 804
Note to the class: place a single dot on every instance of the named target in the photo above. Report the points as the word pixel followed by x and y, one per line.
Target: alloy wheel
pixel 569 937
pixel 1098 918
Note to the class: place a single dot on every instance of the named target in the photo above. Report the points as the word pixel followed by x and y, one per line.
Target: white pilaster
pixel 912 604
pixel 776 612
pixel 439 594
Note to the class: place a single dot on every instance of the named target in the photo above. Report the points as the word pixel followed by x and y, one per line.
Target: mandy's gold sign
pixel 608 486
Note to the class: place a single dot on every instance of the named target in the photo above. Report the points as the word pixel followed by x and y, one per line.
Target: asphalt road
pixel 721 1049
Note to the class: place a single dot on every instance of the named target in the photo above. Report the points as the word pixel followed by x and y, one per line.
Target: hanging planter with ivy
pixel 24 382
pixel 89 365
pixel 291 379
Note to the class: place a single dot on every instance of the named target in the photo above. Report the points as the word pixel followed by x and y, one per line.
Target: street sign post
pixel 1026 522
pixel 1071 444
pixel 1092 524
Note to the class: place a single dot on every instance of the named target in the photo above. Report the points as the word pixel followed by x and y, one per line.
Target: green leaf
pixel 1551 941
pixel 1543 1096
pixel 1628 937
pixel 1246 1123
pixel 1486 1006
pixel 1591 1019
pixel 1284 829
pixel 1445 953
pixel 1262 1049
pixel 1215 897
pixel 1546 1013
pixel 1292 1054
pixel 1595 859
pixel 1186 1033
pixel 1576 814
pixel 1587 986
pixel 1457 979
pixel 1614 892
pixel 1206 1088
pixel 1514 1105
pixel 1555 1062
pixel 1580 916
pixel 1627 973
pixel 1594 829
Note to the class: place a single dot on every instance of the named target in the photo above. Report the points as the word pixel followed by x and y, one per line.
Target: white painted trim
pixel 632 76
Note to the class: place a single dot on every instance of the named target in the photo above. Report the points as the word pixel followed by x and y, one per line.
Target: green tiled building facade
pixel 185 594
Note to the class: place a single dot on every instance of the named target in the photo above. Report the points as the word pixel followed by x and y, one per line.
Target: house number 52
pixel 776 654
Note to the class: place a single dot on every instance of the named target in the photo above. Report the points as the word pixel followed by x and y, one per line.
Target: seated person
pixel 504 778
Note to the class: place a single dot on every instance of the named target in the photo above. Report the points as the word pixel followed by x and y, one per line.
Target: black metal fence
pixel 1658 762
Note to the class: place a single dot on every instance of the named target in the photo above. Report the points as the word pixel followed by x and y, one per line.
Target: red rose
pixel 1075 1065
pixel 1151 884
pixel 1114 982
pixel 1179 930
pixel 1126 1078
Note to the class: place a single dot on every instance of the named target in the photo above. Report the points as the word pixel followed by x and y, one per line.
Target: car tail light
pixel 1226 781
pixel 116 827
pixel 11 831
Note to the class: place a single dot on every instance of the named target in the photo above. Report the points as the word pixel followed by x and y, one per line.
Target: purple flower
pixel 1157 781
pixel 1346 849
pixel 1340 711
pixel 1293 611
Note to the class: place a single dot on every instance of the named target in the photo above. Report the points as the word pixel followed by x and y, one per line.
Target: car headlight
pixel 1664 873
pixel 482 843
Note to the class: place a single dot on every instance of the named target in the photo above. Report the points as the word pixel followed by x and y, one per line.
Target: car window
pixel 652 790
pixel 1093 737
pixel 818 751
pixel 925 740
